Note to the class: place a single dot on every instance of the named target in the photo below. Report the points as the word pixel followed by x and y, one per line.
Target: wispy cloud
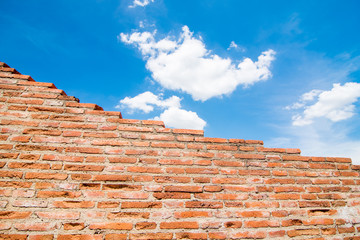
pixel 235 46
pixel 140 3
pixel 187 65
pixel 173 115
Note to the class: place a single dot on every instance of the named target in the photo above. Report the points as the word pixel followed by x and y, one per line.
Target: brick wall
pixel 71 171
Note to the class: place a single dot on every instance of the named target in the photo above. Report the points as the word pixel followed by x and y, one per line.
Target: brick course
pixel 72 171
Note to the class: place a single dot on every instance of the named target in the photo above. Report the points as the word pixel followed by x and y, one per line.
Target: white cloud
pixel 310 96
pixel 172 116
pixel 140 3
pixel 236 47
pixel 146 102
pixel 185 64
pixel 180 118
pixel 232 45
pixel 335 105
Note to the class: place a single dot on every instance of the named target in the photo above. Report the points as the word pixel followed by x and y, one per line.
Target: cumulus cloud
pixel 140 3
pixel 146 102
pixel 185 64
pixel 335 105
pixel 172 116
pixel 180 118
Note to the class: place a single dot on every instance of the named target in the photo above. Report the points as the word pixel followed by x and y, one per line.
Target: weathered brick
pixel 113 226
pixel 179 225
pixel 14 215
pixel 80 237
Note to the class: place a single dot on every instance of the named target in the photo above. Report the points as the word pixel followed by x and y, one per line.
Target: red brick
pixel 229 163
pixel 50 132
pixel 74 226
pixel 123 187
pixel 88 150
pixel 191 189
pixel 117 215
pixel 122 160
pixel 289 189
pixel 78 125
pixel 80 237
pixel 202 170
pixel 10 174
pixel 56 194
pixel 188 131
pixel 253 214
pixel 296 158
pixel 231 196
pixel 276 234
pixel 63 158
pixel 141 205
pixel 151 236
pixel 172 195
pixel 53 176
pixel 176 161
pixel 321 212
pixel 202 204
pixel 9 155
pixel 301 232
pixel 145 225
pixel 229 180
pixel 188 235
pixel 172 179
pixel 114 226
pixel 251 235
pixel 21 138
pixel 135 129
pixel 233 224
pixel 314 204
pixel 192 214
pixel 110 143
pixel 41 237
pixel 14 215
pixel 35 226
pixel 73 204
pixel 116 236
pixel 45 109
pixel 199 154
pixel 250 156
pixel 217 235
pixel 13 236
pixel 321 221
pixel 128 195
pixel 71 167
pixel 29 165
pixel 15 184
pixel 179 225
pixel 67 118
pixel 145 169
pixel 59 215
pixel 262 204
pixel 214 188
pixel 261 224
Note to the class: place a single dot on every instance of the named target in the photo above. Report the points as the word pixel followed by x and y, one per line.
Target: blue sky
pixel 285 72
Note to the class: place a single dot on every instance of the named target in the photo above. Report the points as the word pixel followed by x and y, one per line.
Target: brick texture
pixel 72 171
